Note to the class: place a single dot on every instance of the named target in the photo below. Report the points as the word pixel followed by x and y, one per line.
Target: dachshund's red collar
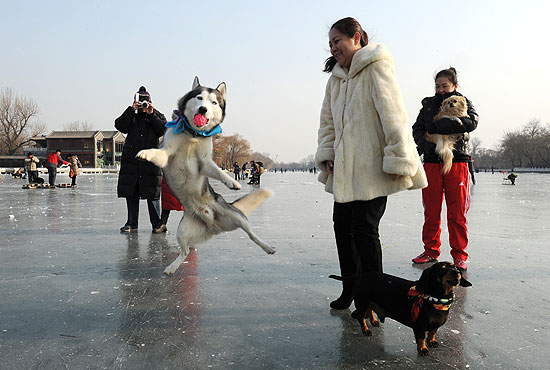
pixel 442 304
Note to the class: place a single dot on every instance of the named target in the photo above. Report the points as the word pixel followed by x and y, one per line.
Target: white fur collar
pixel 366 55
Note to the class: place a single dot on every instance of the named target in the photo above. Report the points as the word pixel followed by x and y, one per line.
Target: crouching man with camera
pixel 143 126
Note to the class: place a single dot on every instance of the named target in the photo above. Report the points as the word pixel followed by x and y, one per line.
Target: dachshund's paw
pixel 423 351
pixel 375 323
pixel 433 343
pixel 365 328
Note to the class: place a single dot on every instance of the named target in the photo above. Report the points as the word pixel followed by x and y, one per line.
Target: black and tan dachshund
pixel 422 305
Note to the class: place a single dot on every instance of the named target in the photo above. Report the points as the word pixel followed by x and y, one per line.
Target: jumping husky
pixel 186 160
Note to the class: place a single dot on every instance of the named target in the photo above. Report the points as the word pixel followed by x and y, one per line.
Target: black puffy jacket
pixel 143 132
pixel 425 123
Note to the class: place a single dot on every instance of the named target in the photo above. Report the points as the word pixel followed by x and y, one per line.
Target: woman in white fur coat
pixel 365 147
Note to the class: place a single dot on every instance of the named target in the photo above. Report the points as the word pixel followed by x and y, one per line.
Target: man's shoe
pixel 127 229
pixel 424 258
pixel 161 229
pixel 461 264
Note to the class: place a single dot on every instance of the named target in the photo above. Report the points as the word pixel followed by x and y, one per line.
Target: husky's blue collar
pixel 181 124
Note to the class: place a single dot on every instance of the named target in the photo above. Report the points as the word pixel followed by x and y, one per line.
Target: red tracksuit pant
pixel 455 187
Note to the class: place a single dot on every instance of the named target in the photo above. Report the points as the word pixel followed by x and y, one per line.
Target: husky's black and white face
pixel 203 107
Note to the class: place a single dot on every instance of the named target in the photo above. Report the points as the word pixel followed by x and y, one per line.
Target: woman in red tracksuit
pixel 453 186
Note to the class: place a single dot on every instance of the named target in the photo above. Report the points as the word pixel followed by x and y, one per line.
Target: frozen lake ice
pixel 78 294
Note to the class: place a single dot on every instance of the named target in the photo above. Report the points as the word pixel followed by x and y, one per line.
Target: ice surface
pixel 75 293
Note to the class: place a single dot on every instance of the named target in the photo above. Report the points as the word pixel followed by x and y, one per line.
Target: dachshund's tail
pixel 344 278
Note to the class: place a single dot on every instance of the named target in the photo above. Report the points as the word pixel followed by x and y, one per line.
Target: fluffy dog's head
pixel 454 106
pixel 203 107
pixel 441 279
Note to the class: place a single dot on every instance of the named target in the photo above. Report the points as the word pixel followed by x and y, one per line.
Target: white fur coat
pixel 365 130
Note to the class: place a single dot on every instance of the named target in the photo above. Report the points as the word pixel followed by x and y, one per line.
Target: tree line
pixel 528 146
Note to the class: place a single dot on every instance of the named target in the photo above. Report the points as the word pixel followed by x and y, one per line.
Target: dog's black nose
pixel 202 110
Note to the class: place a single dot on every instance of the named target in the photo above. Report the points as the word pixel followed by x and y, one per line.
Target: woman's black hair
pixel 449 73
pixel 346 26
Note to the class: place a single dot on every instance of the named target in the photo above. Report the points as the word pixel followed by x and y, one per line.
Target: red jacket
pixel 168 200
pixel 54 158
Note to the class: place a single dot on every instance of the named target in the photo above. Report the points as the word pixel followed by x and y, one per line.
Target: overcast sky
pixel 85 60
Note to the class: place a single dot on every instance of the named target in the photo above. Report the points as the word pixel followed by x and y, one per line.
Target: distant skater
pixel 237 171
pixel 512 177
pixel 75 166
pixel 54 161
pixel 31 165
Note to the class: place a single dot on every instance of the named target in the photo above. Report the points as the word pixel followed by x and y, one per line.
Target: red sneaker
pixel 424 258
pixel 461 264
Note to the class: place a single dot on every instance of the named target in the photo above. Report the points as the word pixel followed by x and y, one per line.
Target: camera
pixel 144 104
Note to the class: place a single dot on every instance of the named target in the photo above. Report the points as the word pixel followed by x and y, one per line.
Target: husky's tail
pixel 251 201
pixel 444 147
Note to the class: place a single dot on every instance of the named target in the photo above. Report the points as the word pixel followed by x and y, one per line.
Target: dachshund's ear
pixel 465 283
pixel 423 284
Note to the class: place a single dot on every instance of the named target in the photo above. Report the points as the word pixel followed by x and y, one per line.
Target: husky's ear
pixel 196 83
pixel 221 89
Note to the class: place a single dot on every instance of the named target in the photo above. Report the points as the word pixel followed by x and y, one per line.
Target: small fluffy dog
pixel 186 160
pixel 453 108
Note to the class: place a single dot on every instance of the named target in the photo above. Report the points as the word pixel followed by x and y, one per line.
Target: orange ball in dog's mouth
pixel 199 120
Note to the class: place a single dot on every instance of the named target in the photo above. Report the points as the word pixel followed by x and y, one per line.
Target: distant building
pixel 113 142
pixel 95 149
pixel 87 145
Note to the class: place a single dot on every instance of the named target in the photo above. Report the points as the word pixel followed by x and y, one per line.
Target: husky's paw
pixel 155 156
pixel 173 267
pixel 233 185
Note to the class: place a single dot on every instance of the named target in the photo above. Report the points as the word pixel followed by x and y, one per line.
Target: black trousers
pixel 132 203
pixel 164 216
pixel 52 174
pixel 356 227
pixel 33 176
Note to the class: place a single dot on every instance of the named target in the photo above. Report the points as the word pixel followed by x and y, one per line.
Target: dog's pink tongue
pixel 199 120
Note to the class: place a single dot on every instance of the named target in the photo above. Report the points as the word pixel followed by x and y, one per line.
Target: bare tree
pixel 18 121
pixel 230 149
pixel 78 126
pixel 475 146
pixel 264 158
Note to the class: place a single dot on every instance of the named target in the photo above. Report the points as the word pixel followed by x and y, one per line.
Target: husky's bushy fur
pixel 453 107
pixel 186 161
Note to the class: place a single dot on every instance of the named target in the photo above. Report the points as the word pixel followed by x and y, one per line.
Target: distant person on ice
pixel 365 148
pixel 512 177
pixel 75 166
pixel 237 171
pixel 53 161
pixel 31 165
pixel 143 126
